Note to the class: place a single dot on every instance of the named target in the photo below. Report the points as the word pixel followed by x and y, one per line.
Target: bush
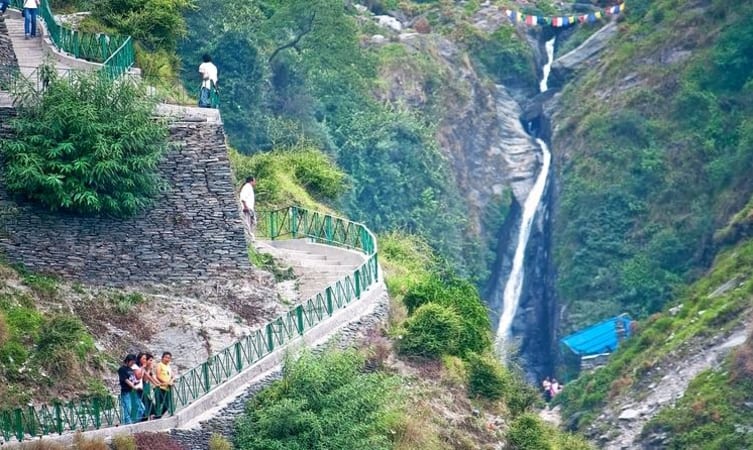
pixel 124 442
pixel 290 176
pixel 527 432
pixel 434 330
pixel 87 145
pixel 487 377
pixel 45 287
pixel 156 24
pixel 13 356
pixel 323 401
pixel 218 442
pixel 462 297
pixel 64 332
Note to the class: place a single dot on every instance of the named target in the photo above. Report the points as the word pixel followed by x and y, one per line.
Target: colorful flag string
pixel 563 21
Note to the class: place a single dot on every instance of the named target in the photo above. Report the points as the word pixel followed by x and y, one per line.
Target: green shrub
pixel 218 442
pixel 24 323
pixel 124 442
pixel 433 330
pixel 487 377
pixel 86 145
pixel 156 24
pixel 293 176
pixel 124 303
pixel 44 286
pixel 528 432
pixel 460 296
pixel 64 332
pixel 13 356
pixel 323 401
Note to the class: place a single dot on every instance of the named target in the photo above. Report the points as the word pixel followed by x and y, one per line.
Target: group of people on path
pixel 552 387
pixel 29 13
pixel 145 390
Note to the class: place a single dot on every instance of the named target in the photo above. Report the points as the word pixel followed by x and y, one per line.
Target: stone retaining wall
pixel 192 232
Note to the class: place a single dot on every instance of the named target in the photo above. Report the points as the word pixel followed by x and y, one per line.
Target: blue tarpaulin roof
pixel 599 338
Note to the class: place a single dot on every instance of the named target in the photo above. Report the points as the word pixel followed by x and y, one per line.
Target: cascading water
pixel 514 286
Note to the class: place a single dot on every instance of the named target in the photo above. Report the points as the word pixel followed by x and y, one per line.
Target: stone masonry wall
pixel 192 232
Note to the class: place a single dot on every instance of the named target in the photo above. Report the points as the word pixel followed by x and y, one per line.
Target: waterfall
pixel 514 286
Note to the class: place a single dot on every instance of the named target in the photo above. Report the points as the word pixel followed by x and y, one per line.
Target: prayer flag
pixel 597 14
pixel 531 20
pixel 556 21
pixel 591 18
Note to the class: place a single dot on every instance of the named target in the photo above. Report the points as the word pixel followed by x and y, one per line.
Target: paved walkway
pixel 31 53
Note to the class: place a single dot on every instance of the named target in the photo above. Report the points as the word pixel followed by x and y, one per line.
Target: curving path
pixel 316 267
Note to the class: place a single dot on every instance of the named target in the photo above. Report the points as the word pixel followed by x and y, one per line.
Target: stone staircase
pixel 31 53
pixel 315 266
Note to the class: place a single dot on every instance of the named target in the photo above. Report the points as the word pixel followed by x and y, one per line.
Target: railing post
pixel 205 375
pixel 376 267
pixel 272 225
pixel 18 423
pixel 329 301
pixel 238 357
pixel 357 275
pixel 31 421
pixel 328 227
pixel 294 221
pixel 58 419
pixel 270 340
pixel 299 317
pixel 96 407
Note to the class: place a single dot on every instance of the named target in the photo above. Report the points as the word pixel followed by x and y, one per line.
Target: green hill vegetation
pixel 657 163
pixel 655 213
pixel 45 351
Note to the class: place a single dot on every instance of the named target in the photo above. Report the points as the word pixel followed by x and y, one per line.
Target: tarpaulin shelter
pixel 603 337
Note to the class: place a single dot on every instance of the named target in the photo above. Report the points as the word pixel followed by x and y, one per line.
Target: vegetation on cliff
pixel 305 73
pixel 86 145
pixel 657 158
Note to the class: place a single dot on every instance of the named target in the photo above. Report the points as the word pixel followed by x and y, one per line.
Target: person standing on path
pixel 248 201
pixel 131 407
pixel 208 72
pixel 30 18
pixel 164 397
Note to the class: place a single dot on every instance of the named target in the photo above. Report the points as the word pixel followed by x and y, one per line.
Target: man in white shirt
pixel 208 72
pixel 247 205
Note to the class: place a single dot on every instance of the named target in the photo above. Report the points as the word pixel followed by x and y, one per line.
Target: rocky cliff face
pixel 479 131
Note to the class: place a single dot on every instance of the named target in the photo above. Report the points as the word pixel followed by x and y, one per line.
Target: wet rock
pixel 583 55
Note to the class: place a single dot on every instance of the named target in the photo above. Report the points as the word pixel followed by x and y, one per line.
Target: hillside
pixel 651 219
pixel 418 118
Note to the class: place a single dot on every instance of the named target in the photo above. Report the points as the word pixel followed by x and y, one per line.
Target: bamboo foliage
pixel 85 144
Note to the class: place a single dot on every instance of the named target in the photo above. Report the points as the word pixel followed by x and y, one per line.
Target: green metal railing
pixel 115 51
pixel 292 222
